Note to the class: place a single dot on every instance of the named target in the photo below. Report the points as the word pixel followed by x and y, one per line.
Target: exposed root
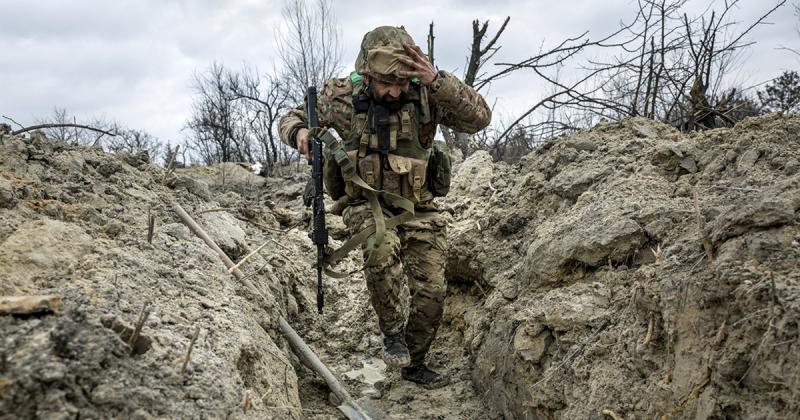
pixel 610 413
pixel 189 352
pixel 142 319
pixel 649 337
pixel 246 401
pixel 697 388
pixel 720 334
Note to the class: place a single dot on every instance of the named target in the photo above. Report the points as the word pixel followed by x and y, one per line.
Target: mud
pixel 634 268
pixel 629 268
pixel 74 223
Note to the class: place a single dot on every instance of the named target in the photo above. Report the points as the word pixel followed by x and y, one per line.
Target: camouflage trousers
pixel 412 254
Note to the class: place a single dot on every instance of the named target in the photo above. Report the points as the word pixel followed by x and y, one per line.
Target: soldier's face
pixel 388 91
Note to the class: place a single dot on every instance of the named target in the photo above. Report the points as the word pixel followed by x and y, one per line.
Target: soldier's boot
pixel 395 351
pixel 428 379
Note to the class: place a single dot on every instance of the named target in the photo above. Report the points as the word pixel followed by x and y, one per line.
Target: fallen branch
pixel 247 257
pixel 40 126
pixel 151 225
pixel 12 120
pixel 215 210
pixel 697 388
pixel 262 226
pixel 701 225
pixel 349 407
pixel 720 334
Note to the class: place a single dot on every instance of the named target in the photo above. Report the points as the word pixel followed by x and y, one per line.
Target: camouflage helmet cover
pixel 380 53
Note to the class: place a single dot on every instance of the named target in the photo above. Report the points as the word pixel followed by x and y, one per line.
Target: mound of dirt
pixel 74 223
pixel 636 269
pixel 628 268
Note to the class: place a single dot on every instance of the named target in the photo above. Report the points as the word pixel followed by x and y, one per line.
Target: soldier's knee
pixel 382 254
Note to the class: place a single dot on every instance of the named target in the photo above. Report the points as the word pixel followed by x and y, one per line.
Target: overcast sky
pixel 133 61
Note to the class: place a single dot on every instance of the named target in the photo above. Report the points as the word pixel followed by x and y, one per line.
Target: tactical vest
pixel 386 150
pixel 384 162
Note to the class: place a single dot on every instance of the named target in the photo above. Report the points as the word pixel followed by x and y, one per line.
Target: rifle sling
pixel 373 197
pixel 378 228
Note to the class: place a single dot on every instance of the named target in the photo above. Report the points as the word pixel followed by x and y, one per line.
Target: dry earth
pixel 628 268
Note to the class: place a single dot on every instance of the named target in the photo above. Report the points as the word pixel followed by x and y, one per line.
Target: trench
pixel 347 339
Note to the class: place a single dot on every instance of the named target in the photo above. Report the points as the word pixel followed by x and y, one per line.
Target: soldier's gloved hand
pixel 301 139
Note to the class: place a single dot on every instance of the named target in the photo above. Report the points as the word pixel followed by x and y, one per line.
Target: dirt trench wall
pixel 73 222
pixel 634 268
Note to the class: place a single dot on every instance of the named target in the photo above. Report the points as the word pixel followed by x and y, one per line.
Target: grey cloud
pixel 134 60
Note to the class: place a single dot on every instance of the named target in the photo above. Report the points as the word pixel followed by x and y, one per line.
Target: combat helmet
pixel 380 53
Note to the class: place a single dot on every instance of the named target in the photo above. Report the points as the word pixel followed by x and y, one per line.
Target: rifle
pixel 319 232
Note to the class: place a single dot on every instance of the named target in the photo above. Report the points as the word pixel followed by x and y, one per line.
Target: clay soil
pixel 626 270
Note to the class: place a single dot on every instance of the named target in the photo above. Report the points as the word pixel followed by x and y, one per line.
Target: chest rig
pixel 382 161
pixel 385 146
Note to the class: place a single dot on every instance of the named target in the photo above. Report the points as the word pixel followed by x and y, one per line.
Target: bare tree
pixel 795 51
pixel 308 45
pixel 263 100
pixel 216 133
pixel 135 141
pixel 235 116
pixel 67 128
pixel 662 65
pixel 480 54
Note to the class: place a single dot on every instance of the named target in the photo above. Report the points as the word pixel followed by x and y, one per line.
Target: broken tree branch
pixel 12 120
pixel 247 257
pixel 40 126
pixel 349 407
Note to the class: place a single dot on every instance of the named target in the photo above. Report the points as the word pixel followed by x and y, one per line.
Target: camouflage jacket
pixel 451 103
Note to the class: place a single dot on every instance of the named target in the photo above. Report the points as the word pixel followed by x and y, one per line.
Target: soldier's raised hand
pixel 423 69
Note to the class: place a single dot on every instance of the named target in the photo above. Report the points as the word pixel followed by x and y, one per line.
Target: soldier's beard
pixel 391 103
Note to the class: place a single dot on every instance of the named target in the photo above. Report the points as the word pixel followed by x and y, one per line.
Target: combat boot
pixel 425 377
pixel 395 351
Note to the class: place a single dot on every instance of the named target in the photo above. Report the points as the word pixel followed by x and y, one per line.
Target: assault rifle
pixel 316 199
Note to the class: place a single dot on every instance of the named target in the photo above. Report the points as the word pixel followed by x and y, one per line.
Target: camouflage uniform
pixel 414 250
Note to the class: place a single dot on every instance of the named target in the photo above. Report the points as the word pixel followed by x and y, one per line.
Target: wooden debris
pixel 246 402
pixel 698 387
pixel 649 337
pixel 170 165
pixel 151 225
pixel 29 305
pixel 138 329
pixel 350 407
pixel 189 353
pixel 720 334
pixel 708 247
pixel 250 255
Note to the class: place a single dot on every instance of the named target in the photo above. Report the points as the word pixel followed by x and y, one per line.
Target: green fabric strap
pixel 378 228
pixel 359 238
pixel 373 197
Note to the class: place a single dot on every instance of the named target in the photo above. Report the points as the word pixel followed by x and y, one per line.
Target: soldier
pixel 387 113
